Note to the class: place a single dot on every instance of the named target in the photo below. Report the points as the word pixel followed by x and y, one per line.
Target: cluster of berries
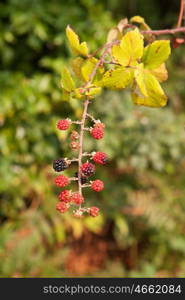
pixel 68 198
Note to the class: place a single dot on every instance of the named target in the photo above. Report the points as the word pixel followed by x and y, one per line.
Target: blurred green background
pixel 141 229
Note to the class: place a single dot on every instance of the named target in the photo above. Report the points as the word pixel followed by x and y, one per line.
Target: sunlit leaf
pixel 76 65
pixel 77 93
pixel 113 34
pixel 160 73
pixel 67 82
pixel 140 21
pixel 156 53
pixel 93 91
pixel 116 32
pixel 76 46
pixel 88 67
pixel 154 94
pixel 117 79
pixel 130 49
pixel 140 79
pixel 122 23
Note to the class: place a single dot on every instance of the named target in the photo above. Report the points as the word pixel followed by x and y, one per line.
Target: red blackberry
pixel 88 169
pixel 61 181
pixel 94 211
pixel 62 207
pixel 97 133
pixel 60 164
pixel 83 178
pixel 97 185
pixel 77 198
pixel 65 196
pixel 100 158
pixel 63 124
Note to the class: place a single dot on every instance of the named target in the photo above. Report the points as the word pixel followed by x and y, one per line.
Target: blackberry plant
pixel 132 58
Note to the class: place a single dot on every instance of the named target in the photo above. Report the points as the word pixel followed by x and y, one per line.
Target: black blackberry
pixel 60 165
pixel 88 169
pixel 83 178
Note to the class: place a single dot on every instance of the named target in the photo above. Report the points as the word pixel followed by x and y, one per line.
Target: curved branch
pixel 164 31
pixel 181 12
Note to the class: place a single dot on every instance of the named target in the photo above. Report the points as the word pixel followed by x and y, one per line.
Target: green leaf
pixel 156 53
pixel 140 21
pixel 130 49
pixel 148 91
pixel 117 79
pixel 67 82
pixel 76 46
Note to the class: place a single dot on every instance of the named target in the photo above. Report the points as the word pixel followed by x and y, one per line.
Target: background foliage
pixel 140 231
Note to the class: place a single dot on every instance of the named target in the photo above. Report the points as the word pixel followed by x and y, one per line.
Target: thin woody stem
pixel 87 154
pixel 92 118
pixel 181 12
pixel 72 160
pixel 76 122
pixel 82 126
pixel 85 185
pixel 164 31
pixel 86 128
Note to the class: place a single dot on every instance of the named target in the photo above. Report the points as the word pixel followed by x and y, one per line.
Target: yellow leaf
pixel 160 73
pixel 130 49
pixel 154 96
pixel 76 65
pixel 140 21
pixel 138 75
pixel 77 93
pixel 156 53
pixel 116 32
pixel 122 23
pixel 67 82
pixel 76 46
pixel 88 67
pixel 113 34
pixel 93 91
pixel 117 79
